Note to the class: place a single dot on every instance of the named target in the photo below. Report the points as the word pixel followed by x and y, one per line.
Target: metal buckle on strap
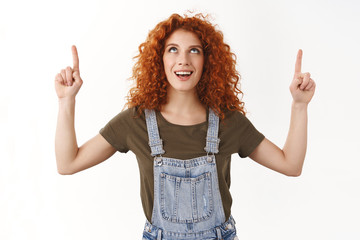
pixel 209 158
pixel 158 160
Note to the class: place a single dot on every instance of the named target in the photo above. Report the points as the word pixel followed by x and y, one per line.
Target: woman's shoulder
pixel 127 115
pixel 235 122
pixel 234 116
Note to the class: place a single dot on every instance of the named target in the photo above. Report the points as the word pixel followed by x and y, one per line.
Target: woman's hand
pixel 68 81
pixel 302 87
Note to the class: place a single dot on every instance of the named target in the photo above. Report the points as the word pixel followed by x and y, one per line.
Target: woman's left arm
pixel 290 159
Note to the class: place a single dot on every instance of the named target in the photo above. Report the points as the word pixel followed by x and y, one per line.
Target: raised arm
pixel 290 159
pixel 69 157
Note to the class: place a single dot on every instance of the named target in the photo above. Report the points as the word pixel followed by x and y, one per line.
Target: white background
pixel 104 202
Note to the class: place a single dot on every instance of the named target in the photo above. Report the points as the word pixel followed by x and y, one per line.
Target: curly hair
pixel 218 87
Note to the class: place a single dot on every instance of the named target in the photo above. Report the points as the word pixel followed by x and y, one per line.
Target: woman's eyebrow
pixel 176 45
pixel 172 44
pixel 195 46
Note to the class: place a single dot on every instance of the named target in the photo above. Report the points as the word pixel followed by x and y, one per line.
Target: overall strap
pixel 155 142
pixel 212 140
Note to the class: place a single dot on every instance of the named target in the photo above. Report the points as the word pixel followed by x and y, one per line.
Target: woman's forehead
pixel 183 36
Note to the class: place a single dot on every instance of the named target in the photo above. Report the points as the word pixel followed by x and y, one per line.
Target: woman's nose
pixel 183 59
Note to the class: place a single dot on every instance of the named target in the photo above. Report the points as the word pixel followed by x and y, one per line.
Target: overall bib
pixel 187 201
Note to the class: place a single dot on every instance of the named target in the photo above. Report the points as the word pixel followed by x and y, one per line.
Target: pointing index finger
pixel 298 61
pixel 75 58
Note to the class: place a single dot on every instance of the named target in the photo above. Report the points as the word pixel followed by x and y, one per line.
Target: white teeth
pixel 183 73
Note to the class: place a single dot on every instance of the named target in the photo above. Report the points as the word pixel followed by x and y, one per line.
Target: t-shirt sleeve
pixel 249 138
pixel 117 131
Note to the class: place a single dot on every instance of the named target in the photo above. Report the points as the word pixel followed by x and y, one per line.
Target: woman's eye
pixel 194 50
pixel 172 49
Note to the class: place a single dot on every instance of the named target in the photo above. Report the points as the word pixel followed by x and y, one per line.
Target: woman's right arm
pixel 69 157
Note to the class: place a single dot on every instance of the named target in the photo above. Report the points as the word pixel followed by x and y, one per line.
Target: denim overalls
pixel 187 201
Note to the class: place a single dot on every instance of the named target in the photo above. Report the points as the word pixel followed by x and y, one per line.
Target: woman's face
pixel 183 60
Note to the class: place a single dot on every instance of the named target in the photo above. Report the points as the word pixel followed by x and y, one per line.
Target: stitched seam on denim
pixel 189 163
pixel 225 233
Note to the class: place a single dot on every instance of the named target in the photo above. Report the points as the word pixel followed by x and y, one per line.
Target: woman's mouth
pixel 183 75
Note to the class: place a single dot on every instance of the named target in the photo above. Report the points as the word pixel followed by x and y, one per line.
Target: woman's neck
pixel 183 108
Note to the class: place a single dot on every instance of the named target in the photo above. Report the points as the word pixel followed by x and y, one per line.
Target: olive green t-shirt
pixel 127 132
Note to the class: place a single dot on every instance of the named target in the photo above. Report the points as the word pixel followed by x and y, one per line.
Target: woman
pixel 183 122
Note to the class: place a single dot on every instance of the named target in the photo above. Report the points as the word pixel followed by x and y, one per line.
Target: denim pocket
pixel 186 200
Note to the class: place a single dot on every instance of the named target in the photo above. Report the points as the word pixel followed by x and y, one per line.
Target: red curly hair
pixel 218 86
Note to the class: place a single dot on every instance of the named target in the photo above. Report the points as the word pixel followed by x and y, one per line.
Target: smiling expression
pixel 183 60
